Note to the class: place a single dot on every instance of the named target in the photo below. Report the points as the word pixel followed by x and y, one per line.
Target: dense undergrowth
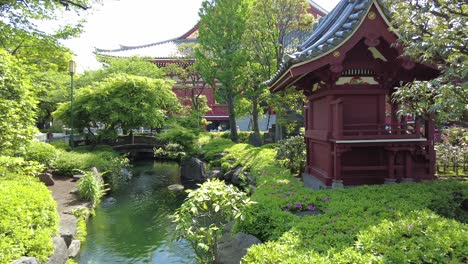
pixel 28 214
pixel 411 222
pixel 29 218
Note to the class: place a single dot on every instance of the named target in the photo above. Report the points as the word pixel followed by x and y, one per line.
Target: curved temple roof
pixel 328 34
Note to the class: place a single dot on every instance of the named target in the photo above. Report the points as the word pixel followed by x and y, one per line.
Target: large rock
pixel 238 176
pixel 60 255
pixel 234 173
pixel 212 174
pixel 74 248
pixel 46 178
pixel 26 260
pixel 231 249
pixel 193 169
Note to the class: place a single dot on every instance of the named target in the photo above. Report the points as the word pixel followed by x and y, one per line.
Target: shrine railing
pixel 377 131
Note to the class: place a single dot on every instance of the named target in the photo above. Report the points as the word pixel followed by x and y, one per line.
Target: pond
pixel 136 227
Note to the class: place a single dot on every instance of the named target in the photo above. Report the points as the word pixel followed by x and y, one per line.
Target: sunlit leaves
pixel 204 212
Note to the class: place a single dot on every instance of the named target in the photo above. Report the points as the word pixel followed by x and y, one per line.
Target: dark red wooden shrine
pixel 348 69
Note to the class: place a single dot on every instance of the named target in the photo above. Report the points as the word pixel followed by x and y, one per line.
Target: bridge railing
pixel 129 140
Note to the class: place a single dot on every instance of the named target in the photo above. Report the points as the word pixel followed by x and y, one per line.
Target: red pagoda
pixel 348 69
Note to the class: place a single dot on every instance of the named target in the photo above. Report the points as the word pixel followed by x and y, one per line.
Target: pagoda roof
pixel 162 49
pixel 328 34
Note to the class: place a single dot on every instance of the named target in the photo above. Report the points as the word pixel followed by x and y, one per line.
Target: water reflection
pixel 135 228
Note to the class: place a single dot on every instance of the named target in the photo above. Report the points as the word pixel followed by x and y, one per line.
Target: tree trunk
pixel 255 125
pixel 232 116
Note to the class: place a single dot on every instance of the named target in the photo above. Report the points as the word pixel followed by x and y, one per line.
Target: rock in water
pixel 193 169
pixel 60 255
pixel 175 187
pixel 233 248
pixel 74 248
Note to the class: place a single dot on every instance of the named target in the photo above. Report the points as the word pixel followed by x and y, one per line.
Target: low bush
pixel 204 212
pixel 171 151
pixel 102 157
pixel 28 221
pixel 41 152
pixel 91 187
pixel 12 167
pixel 292 154
pixel 183 136
pixel 215 146
pixel 346 217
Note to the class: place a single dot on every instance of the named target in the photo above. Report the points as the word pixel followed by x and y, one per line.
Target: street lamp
pixel 71 71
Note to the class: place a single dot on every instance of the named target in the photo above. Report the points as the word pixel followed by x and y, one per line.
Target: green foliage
pixel 180 135
pixel 344 214
pixel 243 136
pixel 346 225
pixel 172 151
pixel 11 167
pixel 292 154
pixel 214 147
pixel 204 212
pixel 269 34
pixel 441 41
pixel 28 221
pixel 81 215
pixel 452 152
pixel 17 106
pixel 124 101
pixel 222 24
pixel 41 152
pixel 91 187
pixel 132 66
pixel 102 158
pixel 419 237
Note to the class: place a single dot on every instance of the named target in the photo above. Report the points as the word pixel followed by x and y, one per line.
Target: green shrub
pixel 103 158
pixel 41 152
pixel 418 237
pixel 28 221
pixel 243 136
pixel 183 136
pixel 11 167
pixel 91 187
pixel 172 151
pixel 292 154
pixel 214 147
pixel 205 210
pixel 344 214
pixel 81 215
pixel 60 145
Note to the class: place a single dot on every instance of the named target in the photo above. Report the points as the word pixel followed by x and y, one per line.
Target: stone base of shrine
pixel 314 183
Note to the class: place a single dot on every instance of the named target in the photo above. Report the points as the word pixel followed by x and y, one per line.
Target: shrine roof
pixel 162 49
pixel 329 33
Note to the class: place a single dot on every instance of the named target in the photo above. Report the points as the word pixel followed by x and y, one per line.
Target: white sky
pixel 137 22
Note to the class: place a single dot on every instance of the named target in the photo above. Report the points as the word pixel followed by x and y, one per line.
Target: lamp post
pixel 71 70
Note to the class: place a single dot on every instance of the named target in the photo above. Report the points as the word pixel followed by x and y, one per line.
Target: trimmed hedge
pixel 28 221
pixel 419 223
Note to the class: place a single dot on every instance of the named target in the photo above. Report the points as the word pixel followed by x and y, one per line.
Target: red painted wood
pixel 358 112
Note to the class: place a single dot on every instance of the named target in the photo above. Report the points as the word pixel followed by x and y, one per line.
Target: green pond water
pixel 136 228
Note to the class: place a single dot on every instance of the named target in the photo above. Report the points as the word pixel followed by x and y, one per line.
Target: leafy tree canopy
pixel 132 66
pixel 123 100
pixel 220 54
pixel 435 32
pixel 17 106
